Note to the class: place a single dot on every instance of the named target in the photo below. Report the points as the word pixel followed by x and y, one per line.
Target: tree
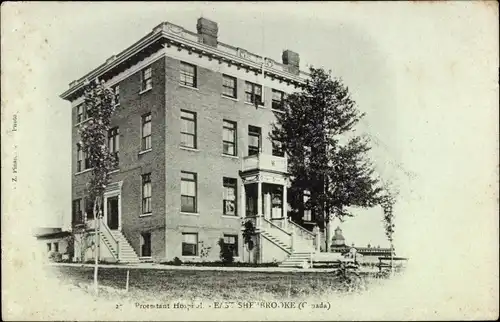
pixel 99 104
pixel 388 201
pixel 325 155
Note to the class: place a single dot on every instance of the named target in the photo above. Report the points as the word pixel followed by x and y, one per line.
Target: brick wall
pixel 166 160
pixel 128 118
pixel 207 161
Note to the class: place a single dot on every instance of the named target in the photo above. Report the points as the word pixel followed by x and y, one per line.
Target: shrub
pixel 226 252
pixel 348 277
pixel 177 261
pixel 248 233
pixel 55 257
pixel 221 264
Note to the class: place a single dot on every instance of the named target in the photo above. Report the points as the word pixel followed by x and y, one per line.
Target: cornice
pixel 173 35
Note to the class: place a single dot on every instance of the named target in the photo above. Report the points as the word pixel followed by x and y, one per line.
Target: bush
pixel 177 261
pixel 221 264
pixel 55 257
pixel 226 252
pixel 348 277
pixel 248 233
pixel 101 262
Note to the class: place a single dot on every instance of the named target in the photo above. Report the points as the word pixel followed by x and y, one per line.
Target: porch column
pixel 285 206
pixel 120 212
pixel 267 206
pixel 318 238
pixel 259 197
pixel 243 200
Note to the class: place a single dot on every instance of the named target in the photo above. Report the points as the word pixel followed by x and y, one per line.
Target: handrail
pixel 277 227
pixel 106 228
pixel 278 245
pixel 301 228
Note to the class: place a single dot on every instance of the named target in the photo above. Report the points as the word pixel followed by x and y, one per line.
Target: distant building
pixel 368 254
pixel 53 241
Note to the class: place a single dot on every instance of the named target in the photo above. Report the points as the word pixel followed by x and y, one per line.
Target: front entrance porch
pixel 272 201
pixel 264 203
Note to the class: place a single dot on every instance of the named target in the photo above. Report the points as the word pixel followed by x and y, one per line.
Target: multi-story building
pixel 195 158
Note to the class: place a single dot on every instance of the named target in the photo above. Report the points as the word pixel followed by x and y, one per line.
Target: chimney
pixel 292 60
pixel 207 30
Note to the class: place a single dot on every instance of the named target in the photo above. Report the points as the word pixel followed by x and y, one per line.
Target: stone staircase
pixel 297 259
pixel 126 254
pixel 118 245
pixel 277 241
pixel 291 238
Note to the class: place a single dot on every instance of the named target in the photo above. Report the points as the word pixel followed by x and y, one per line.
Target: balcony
pixel 265 162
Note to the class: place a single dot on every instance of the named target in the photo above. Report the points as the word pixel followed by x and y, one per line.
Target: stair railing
pixel 112 240
pixel 302 232
pixel 279 233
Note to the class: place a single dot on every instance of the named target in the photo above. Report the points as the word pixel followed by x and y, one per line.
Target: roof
pixel 50 233
pixel 167 33
pixel 338 234
pixel 39 231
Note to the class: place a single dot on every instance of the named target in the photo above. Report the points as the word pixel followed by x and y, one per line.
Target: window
pixel 188 74
pixel 278 148
pixel 277 103
pixel 49 247
pixel 253 140
pixel 231 244
pixel 146 193
pixel 114 144
pixel 116 94
pixel 87 160
pixel 229 138
pixel 77 211
pixel 229 198
pixel 89 207
pixel 79 158
pixel 146 132
pixel 188 129
pixel 253 93
pixel 307 212
pixel 189 244
pixel 146 244
pixel 229 86
pixel 56 247
pixel 146 80
pixel 80 113
pixel 188 192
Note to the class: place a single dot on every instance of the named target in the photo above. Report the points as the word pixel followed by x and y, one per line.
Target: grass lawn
pixel 215 285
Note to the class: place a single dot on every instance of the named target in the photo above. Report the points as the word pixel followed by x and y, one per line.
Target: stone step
pixel 126 252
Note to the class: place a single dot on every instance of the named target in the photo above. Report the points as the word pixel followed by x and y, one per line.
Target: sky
pixel 425 74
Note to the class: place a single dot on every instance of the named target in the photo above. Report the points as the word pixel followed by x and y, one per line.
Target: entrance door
pixel 112 212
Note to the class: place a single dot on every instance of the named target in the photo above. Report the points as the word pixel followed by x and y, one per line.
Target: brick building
pixel 195 160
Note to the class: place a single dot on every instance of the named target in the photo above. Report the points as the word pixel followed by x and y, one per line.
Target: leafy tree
pixel 325 155
pixel 388 201
pixel 99 104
